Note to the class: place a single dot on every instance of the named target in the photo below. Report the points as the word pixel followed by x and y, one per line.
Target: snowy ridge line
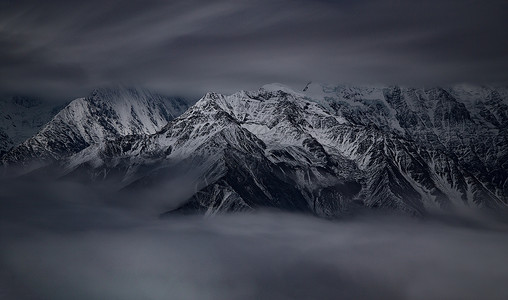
pixel 328 150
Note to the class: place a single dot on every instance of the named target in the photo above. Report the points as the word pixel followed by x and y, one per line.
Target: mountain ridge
pixel 21 117
pixel 106 113
pixel 325 151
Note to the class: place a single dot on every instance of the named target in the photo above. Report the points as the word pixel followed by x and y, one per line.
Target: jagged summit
pixel 105 114
pixel 328 150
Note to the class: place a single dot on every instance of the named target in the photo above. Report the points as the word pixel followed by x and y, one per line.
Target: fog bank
pixel 68 244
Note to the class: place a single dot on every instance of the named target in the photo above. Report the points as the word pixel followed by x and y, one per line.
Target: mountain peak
pixel 334 147
pixel 107 114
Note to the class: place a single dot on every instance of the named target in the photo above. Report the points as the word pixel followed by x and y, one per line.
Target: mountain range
pixel 326 150
pixel 105 114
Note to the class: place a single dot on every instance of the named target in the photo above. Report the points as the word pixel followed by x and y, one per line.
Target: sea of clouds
pixel 69 241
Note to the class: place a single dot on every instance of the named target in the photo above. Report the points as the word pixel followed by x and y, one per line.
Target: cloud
pixel 197 46
pixel 63 241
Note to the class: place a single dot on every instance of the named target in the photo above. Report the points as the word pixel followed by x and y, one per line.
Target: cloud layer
pixel 195 46
pixel 62 241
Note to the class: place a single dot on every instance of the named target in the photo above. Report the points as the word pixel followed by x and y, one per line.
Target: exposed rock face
pixel 327 150
pixel 104 115
pixel 21 117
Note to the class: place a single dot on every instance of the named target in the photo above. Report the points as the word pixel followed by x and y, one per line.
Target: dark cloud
pixel 65 240
pixel 195 46
pixel 62 241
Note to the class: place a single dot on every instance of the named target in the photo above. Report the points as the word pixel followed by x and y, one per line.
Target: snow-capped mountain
pixel 106 114
pixel 326 150
pixel 21 117
pixel 469 124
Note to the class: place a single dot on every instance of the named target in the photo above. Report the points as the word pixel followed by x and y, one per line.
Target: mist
pixel 61 49
pixel 71 241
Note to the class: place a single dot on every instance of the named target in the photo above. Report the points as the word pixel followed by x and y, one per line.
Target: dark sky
pixel 68 47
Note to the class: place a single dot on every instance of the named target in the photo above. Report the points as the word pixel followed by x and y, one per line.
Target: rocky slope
pixel 21 117
pixel 467 123
pixel 327 150
pixel 106 114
